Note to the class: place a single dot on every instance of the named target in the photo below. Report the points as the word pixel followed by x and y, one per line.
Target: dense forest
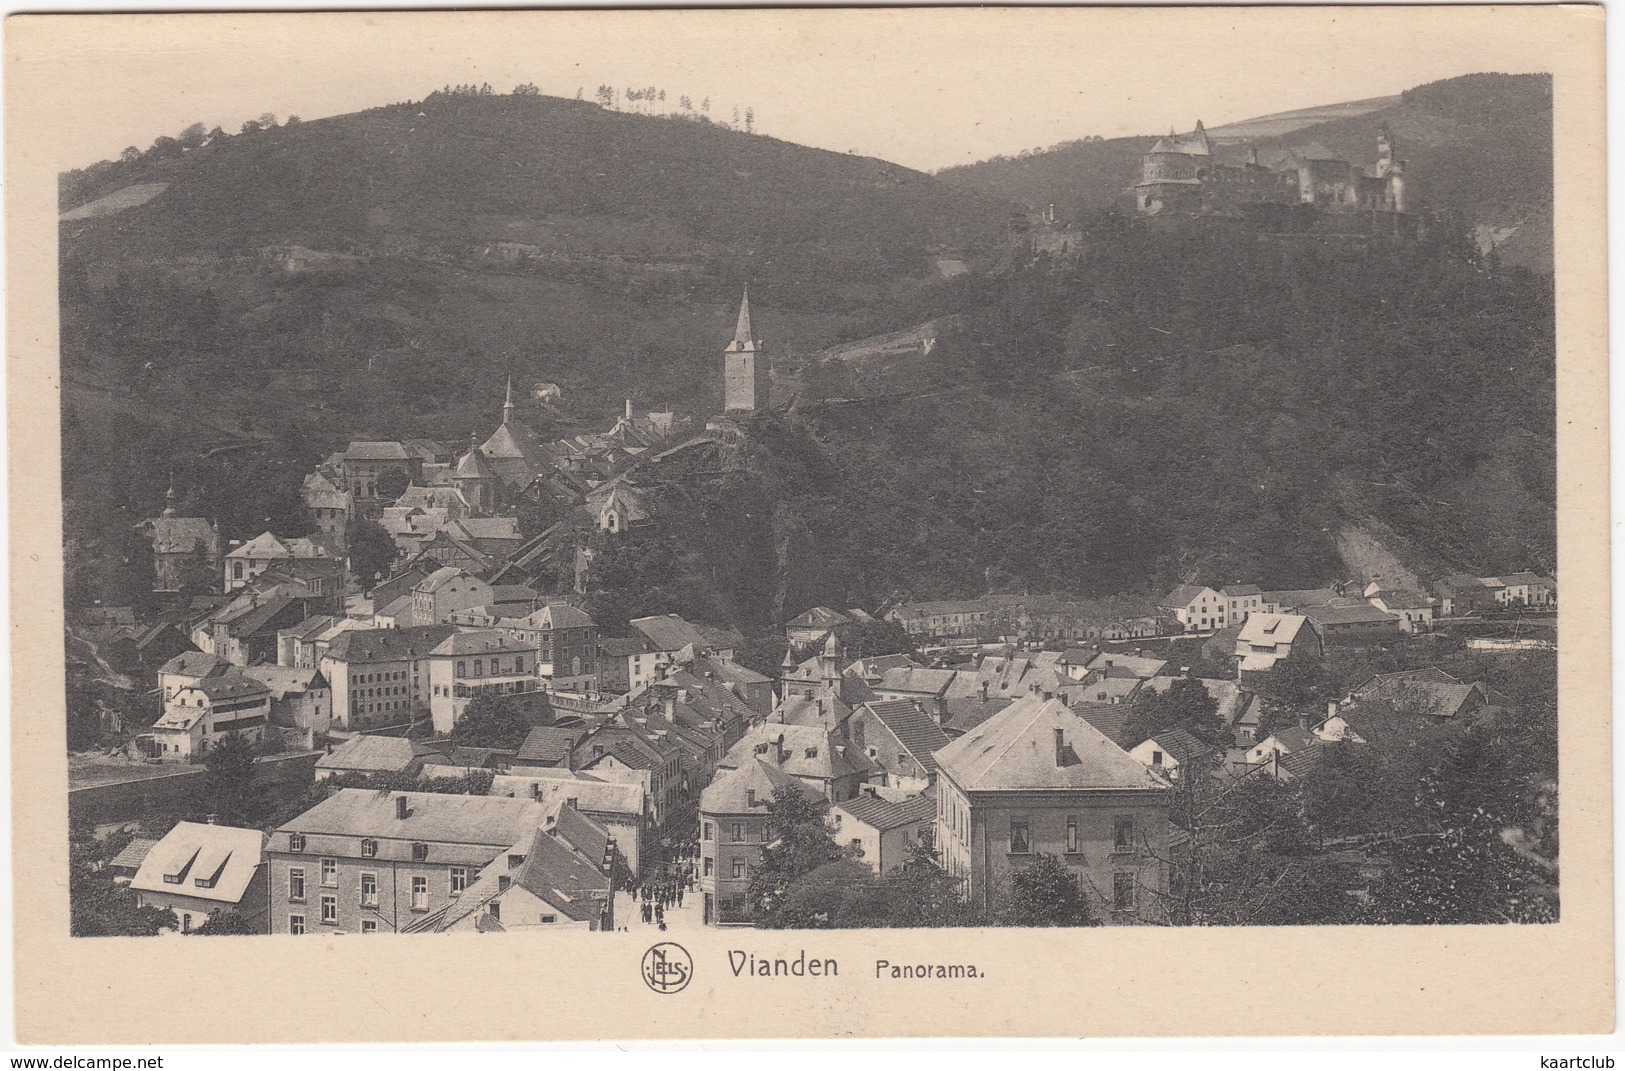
pixel 1199 403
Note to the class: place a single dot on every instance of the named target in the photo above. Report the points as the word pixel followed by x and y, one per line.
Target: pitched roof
pixel 1236 590
pixel 473 466
pixel 387 644
pixel 967 712
pixel 197 664
pixel 549 745
pixel 479 641
pixel 668 632
pixel 1139 665
pixel 558 787
pixel 1363 613
pixel 749 788
pixel 916 679
pixel 913 727
pixel 385 754
pixel 205 861
pixel 559 615
pixel 376 451
pixel 1271 630
pixel 807 751
pixel 1183 596
pixel 1179 744
pixel 619 647
pixel 883 814
pixel 133 854
pixel 231 686
pixel 1294 738
pixel 819 617
pixel 1016 750
pixel 431 817
pixel 1298 599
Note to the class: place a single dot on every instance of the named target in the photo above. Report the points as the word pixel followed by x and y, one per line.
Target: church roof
pixel 474 466
pixel 1195 143
pixel 743 340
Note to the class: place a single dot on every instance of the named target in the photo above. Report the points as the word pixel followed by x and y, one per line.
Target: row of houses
pixel 1194 608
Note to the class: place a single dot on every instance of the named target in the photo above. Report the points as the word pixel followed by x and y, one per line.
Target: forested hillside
pixel 1201 404
pixel 1479 146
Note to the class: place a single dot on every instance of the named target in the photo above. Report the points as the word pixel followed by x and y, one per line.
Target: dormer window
pixel 369 848
pixel 420 852
pixel 296 842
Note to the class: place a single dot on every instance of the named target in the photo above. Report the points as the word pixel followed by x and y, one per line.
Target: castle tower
pixel 1385 151
pixel 476 479
pixel 744 378
pixel 507 402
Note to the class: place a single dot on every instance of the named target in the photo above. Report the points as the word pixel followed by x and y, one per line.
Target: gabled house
pixel 818 758
pixel 899 738
pixel 198 869
pixel 1193 608
pixel 883 831
pixel 205 714
pixel 1414 610
pixel 1267 639
pixel 735 824
pixel 1172 752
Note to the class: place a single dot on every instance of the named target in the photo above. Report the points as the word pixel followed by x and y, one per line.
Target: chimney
pixel 503 882
pixel 984 691
pixel 212 819
pixel 1331 709
pixel 400 806
pixel 629 409
pixel 574 802
pixel 1303 721
pixel 750 797
pixel 536 791
pixel 1060 747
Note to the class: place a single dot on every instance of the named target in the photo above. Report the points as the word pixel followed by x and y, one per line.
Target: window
pixel 519 663
pixel 1020 838
pixel 296 924
pixel 462 669
pixel 459 879
pixel 296 842
pixel 330 910
pixel 1123 889
pixel 548 920
pixel 705 830
pixel 739 868
pixel 1156 758
pixel 330 873
pixel 479 667
pixel 1123 835
pixel 369 926
pixel 296 884
pixel 420 894
pixel 709 865
pixel 739 832
pixel 1072 834
pixel 420 852
pixel 369 890
pixel 369 848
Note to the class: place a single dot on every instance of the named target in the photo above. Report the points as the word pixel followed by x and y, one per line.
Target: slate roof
pixel 495 821
pixel 1403 600
pixel 1364 613
pixel 197 664
pixel 230 686
pixel 1298 599
pixel 819 617
pixel 559 615
pixel 883 814
pixel 1271 630
pixel 1180 745
pixel 387 644
pixel 376 451
pixel 383 754
pixel 181 535
pixel 913 727
pixel 829 758
pixel 133 854
pixel 479 641
pixel 668 632
pixel 1183 596
pixel 1109 718
pixel 549 745
pixel 557 787
pixel 1294 738
pixel 1141 667
pixel 1238 590
pixel 730 792
pixel 212 862
pixel 1015 750
pixel 917 680
pixel 618 647
pixel 965 714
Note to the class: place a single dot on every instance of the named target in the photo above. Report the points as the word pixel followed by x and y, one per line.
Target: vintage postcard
pixel 748 523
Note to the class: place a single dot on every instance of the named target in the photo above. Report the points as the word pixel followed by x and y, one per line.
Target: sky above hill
pixel 923 88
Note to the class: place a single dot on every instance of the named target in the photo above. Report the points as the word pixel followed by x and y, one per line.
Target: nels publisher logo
pixel 667 967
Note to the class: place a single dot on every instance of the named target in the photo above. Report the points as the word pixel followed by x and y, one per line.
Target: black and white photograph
pixel 684 476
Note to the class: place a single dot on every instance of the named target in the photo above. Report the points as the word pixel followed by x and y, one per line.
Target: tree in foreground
pixel 489 722
pixel 233 794
pixel 1046 894
pixel 802 844
pixel 100 907
pixel 371 549
pixel 226 923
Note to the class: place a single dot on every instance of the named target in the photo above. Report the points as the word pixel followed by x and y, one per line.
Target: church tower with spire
pixel 744 372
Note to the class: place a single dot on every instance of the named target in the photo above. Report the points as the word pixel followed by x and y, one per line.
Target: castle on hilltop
pixel 744 367
pixel 1185 174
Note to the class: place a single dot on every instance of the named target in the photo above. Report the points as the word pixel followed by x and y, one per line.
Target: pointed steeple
pixel 507 402
pixel 743 340
pixel 169 498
